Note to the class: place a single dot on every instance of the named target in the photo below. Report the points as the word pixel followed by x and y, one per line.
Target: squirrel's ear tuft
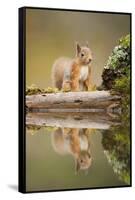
pixel 78 48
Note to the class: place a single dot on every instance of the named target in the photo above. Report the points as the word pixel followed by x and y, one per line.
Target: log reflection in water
pixel 72 120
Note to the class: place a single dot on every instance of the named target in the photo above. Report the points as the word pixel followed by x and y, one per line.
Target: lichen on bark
pixel 117 68
pixel 116 72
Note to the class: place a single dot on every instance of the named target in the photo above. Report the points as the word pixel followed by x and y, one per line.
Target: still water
pixel 69 152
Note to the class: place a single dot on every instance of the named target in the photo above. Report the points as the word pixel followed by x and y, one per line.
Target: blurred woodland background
pixel 51 34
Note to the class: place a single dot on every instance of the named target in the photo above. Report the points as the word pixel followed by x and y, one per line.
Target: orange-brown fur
pixel 73 136
pixel 75 73
pixel 75 144
pixel 66 72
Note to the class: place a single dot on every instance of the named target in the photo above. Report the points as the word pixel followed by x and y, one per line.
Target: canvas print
pixel 75 99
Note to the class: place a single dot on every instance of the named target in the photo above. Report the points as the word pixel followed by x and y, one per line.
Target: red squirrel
pixel 73 74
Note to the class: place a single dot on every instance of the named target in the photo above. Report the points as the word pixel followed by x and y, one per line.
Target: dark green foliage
pixel 116 144
pixel 122 86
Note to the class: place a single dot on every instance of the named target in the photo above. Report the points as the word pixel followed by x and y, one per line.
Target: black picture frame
pixel 22 107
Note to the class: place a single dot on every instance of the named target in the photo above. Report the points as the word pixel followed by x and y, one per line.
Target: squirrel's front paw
pixel 75 90
pixel 92 88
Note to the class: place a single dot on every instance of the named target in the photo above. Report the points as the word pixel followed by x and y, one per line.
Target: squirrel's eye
pixel 82 54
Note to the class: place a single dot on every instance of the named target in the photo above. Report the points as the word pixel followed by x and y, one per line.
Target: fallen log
pixel 95 100
pixel 72 120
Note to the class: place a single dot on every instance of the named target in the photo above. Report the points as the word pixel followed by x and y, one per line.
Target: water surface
pixel 52 152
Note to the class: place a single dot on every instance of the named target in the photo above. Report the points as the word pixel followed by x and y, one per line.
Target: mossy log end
pixel 72 101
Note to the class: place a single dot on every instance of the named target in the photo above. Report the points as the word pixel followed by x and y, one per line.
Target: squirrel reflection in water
pixel 76 142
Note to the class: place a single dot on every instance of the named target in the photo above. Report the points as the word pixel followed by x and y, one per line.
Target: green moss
pixel 31 129
pixel 49 128
pixel 125 41
pixel 51 90
pixel 116 144
pixel 116 73
pixel 33 89
pixel 122 85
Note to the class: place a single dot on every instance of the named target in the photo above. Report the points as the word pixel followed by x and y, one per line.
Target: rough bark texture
pixel 95 100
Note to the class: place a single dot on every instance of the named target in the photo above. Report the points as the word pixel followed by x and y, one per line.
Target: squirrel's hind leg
pixel 57 84
pixel 66 84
